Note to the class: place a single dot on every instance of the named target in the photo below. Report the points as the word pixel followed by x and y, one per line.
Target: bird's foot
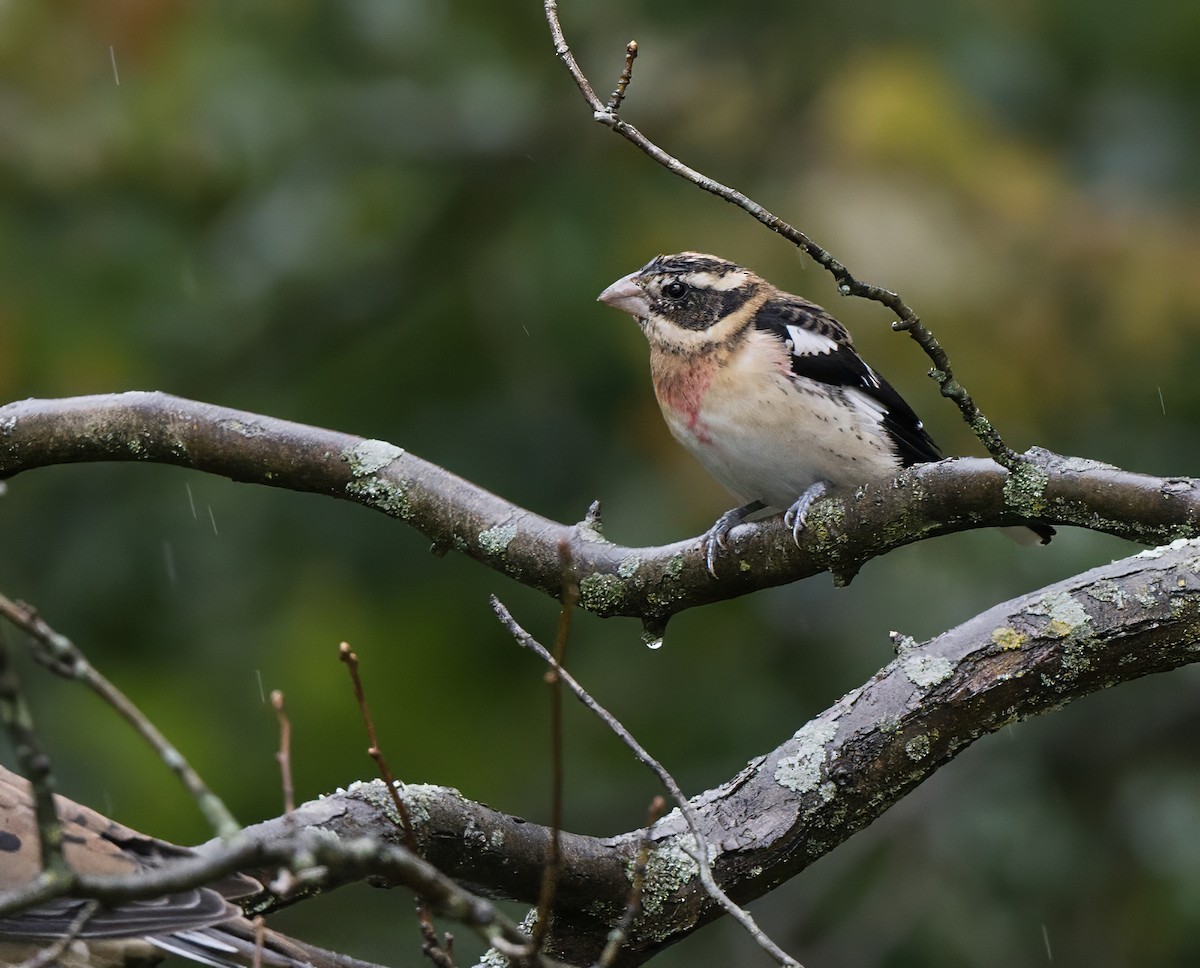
pixel 716 536
pixel 796 517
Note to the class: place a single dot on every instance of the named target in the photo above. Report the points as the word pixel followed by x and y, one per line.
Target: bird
pixel 766 389
pixel 202 924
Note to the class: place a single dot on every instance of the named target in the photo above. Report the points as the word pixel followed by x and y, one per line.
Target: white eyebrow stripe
pixel 807 343
pixel 704 279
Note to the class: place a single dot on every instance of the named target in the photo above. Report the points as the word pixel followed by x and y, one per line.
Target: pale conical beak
pixel 627 296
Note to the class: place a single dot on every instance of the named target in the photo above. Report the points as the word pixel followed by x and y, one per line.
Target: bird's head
pixel 681 299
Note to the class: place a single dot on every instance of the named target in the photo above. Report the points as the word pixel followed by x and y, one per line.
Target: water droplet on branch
pixel 653 630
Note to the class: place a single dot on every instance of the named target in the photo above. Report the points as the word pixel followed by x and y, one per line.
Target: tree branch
pixel 834 776
pixel 316 860
pixel 699 849
pixel 651 583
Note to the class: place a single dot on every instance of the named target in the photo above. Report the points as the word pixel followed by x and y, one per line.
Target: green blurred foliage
pixel 391 217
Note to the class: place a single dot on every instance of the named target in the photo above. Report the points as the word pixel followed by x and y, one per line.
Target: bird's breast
pixel 681 388
pixel 763 433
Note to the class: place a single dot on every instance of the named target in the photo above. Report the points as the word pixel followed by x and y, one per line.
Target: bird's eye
pixel 675 290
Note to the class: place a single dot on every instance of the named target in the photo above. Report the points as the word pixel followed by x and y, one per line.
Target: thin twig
pixel 61 656
pixel 284 756
pixel 633 906
pixel 35 762
pixel 617 96
pixel 430 945
pixel 568 59
pixel 701 854
pixel 260 935
pixel 553 867
pixel 350 659
pixel 848 285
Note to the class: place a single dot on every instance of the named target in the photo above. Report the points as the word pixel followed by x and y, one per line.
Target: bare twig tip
pixel 617 96
pixel 593 519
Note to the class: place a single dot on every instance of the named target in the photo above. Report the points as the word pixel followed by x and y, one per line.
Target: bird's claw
pixel 717 537
pixel 796 517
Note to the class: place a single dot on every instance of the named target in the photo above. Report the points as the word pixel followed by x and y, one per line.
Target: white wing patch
pixel 807 343
pixel 873 379
pixel 868 406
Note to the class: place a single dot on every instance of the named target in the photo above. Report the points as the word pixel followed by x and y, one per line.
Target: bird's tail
pixel 236 944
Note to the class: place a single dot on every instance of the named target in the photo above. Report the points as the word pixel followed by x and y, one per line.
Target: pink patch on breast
pixel 680 391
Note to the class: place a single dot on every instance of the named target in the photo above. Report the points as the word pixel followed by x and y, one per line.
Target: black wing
pixel 821 350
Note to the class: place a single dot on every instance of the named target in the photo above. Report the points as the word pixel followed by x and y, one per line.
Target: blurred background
pixel 392 217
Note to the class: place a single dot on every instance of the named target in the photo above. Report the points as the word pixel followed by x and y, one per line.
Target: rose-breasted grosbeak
pixel 766 389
